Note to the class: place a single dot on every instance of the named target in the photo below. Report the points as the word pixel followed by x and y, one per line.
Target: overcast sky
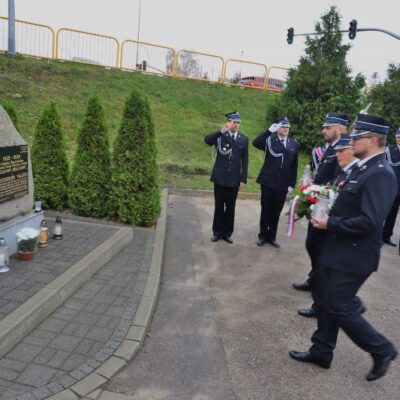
pixel 253 30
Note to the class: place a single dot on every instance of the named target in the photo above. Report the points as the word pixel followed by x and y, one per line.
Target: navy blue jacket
pixel 328 168
pixel 229 169
pixel 393 157
pixel 277 172
pixel 354 235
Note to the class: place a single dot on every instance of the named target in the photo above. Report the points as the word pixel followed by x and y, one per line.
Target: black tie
pixel 283 142
pixel 233 137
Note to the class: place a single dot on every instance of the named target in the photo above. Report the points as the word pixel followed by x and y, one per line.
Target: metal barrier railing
pixel 245 73
pixel 200 66
pixel 277 78
pixel 147 57
pixel 31 39
pixel 86 47
pixel 92 48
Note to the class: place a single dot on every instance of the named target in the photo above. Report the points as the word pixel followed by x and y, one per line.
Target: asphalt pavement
pixel 226 319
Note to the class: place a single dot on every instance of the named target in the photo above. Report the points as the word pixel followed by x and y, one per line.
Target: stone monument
pixel 16 184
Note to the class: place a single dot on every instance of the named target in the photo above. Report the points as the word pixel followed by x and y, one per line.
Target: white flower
pixel 27 233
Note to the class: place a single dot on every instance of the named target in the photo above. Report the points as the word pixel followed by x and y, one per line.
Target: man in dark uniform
pixel 351 251
pixel 229 174
pixel 346 161
pixel 334 126
pixel 277 176
pixel 393 157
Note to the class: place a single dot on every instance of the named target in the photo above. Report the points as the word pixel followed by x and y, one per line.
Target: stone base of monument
pixel 9 229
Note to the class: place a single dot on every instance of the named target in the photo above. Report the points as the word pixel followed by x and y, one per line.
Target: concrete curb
pixel 210 193
pixel 139 325
pixel 30 314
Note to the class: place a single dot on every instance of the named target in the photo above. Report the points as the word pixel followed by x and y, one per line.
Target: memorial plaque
pixel 13 172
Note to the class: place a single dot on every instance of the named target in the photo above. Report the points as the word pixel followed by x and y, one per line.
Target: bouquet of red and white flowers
pixel 305 203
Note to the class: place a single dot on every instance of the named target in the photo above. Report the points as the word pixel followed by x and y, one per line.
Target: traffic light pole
pixel 395 35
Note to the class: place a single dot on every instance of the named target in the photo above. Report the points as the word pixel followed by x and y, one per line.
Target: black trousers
pixel 337 308
pixel 314 241
pixel 391 218
pixel 272 202
pixel 224 212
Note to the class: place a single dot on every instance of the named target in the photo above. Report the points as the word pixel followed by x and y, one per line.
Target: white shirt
pixel 233 135
pixel 350 164
pixel 283 140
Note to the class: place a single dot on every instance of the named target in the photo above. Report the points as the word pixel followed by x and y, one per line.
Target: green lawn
pixel 184 111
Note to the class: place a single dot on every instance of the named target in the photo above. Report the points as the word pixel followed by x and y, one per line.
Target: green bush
pixel 9 108
pixel 49 162
pixel 135 188
pixel 385 97
pixel 91 171
pixel 319 84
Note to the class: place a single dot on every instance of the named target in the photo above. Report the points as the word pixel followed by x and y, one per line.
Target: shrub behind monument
pixel 135 187
pixel 49 161
pixel 91 171
pixel 12 113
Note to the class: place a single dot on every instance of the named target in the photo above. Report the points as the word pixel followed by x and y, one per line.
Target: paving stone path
pixel 82 333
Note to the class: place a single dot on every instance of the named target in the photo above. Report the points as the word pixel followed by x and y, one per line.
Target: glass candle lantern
pixel 4 257
pixel 58 231
pixel 44 234
pixel 38 204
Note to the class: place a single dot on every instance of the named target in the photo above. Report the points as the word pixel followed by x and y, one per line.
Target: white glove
pixel 289 189
pixel 274 127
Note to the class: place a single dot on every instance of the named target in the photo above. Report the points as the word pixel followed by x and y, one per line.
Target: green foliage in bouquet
pixel 303 206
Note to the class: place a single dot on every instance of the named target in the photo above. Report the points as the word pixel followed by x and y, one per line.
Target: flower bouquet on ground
pixel 312 199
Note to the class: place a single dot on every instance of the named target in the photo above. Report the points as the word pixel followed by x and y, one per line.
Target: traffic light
pixel 353 29
pixel 290 33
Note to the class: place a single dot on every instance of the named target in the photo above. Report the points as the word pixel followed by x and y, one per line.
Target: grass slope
pixel 184 111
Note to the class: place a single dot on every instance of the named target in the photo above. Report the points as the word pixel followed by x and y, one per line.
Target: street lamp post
pixel 138 34
pixel 11 28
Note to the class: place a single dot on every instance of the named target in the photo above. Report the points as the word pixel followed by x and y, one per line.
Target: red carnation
pixel 312 200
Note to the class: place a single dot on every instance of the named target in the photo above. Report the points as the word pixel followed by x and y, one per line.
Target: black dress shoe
pixel 274 243
pixel 305 286
pixel 307 357
pixel 381 366
pixel 260 242
pixel 307 312
pixel 389 242
pixel 227 239
pixel 215 238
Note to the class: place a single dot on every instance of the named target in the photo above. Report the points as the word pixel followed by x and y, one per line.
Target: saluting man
pixel 229 174
pixel 277 176
pixel 393 157
pixel 351 251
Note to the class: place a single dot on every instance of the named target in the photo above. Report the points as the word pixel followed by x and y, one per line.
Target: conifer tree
pixel 91 171
pixel 319 84
pixel 10 110
pixel 385 97
pixel 49 161
pixel 135 187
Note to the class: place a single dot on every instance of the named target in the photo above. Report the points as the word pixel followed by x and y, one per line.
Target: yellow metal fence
pixel 78 46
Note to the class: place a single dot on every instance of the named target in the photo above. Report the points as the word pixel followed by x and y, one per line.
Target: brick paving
pixel 85 331
pixel 27 278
